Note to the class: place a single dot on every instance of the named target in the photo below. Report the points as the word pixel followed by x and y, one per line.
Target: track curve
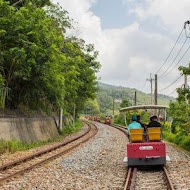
pixel 12 169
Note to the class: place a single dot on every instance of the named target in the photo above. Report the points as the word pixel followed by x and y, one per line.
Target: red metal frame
pixel 146 150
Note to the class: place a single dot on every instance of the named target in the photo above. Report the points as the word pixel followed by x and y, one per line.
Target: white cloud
pixel 172 13
pixel 129 54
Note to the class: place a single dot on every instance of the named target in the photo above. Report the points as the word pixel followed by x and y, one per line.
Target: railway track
pixel 20 166
pixel 145 179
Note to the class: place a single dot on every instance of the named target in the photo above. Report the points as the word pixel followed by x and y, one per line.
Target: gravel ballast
pixel 178 168
pixel 97 164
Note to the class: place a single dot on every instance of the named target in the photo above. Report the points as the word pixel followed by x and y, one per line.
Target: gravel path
pixel 150 180
pixel 98 164
pixel 178 168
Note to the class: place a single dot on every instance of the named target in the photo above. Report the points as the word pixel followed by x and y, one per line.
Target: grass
pixel 11 146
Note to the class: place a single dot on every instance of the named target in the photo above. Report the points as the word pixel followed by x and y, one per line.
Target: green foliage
pixel 72 128
pixel 92 107
pixel 180 113
pixel 120 119
pixel 125 103
pixel 185 143
pixel 43 69
pixel 80 69
pixel 104 100
pixel 169 136
pixel 179 139
pixel 106 93
pixel 21 3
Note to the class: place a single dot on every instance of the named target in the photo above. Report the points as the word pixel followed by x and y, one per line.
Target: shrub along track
pixel 13 169
pixel 157 178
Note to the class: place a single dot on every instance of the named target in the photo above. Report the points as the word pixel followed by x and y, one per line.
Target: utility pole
pixel 185 86
pixel 156 91
pixel 113 106
pixel 150 80
pixel 135 98
pixel 155 94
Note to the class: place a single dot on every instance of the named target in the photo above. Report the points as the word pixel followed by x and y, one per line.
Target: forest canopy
pixel 41 69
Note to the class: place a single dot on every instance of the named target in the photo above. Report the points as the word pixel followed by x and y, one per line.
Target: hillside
pixel 106 93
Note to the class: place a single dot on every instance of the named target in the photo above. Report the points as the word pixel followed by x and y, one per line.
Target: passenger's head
pixel 138 117
pixel 154 118
pixel 134 118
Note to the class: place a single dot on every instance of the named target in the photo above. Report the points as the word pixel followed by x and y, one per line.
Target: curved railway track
pixel 145 179
pixel 13 169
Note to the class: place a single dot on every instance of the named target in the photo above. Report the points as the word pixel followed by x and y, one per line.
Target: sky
pixel 134 37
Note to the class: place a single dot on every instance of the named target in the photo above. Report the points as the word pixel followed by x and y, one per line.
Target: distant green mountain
pixel 107 92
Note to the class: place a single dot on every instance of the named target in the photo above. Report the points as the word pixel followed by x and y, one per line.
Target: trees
pixel 43 69
pixel 92 107
pixel 125 103
pixel 180 110
pixel 80 69
pixel 21 3
pixel 30 57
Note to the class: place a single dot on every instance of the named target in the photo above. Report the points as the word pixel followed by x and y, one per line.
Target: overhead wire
pixel 144 85
pixel 176 88
pixel 164 73
pixel 147 87
pixel 163 89
pixel 176 63
pixel 170 52
pixel 173 91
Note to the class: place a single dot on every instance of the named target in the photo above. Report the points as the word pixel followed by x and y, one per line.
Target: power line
pixel 163 89
pixel 176 63
pixel 170 52
pixel 174 59
pixel 173 91
pixel 147 87
pixel 176 88
pixel 144 85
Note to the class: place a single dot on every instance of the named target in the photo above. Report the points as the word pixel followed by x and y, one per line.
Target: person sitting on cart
pixel 139 121
pixel 134 124
pixel 154 122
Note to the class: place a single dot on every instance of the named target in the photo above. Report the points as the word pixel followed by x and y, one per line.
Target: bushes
pixel 185 143
pixel 169 137
pixel 72 128
pixel 181 140
pixel 120 119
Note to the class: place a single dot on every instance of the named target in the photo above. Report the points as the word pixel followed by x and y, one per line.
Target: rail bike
pixel 108 120
pixel 146 147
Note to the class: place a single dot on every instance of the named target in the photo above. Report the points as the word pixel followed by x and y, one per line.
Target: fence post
pixel 61 119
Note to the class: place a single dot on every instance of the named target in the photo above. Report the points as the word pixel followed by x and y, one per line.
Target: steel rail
pixel 132 186
pixel 21 171
pixel 129 183
pixel 170 185
pixel 39 153
pixel 126 186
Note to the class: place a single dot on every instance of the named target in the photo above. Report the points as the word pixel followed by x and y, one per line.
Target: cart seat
pixel 154 134
pixel 136 135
